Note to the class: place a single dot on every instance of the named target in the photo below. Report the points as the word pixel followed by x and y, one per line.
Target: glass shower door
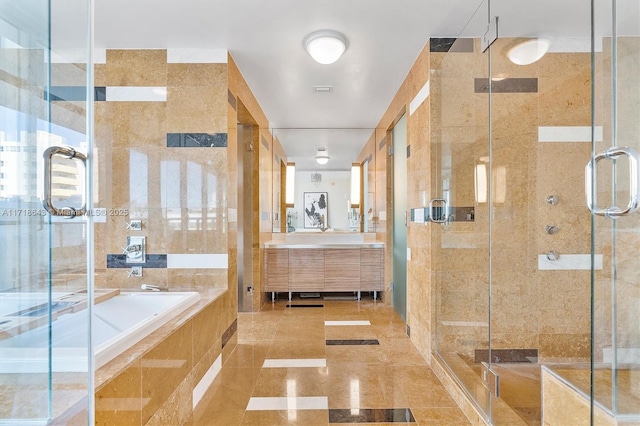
pixel 45 370
pixel 612 192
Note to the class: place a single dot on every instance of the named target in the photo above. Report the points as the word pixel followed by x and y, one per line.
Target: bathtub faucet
pixel 133 248
pixel 151 287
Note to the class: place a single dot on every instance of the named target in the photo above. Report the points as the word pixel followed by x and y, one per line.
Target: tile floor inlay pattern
pixel 366 415
pixel 304 306
pixel 285 363
pixel 282 372
pixel 336 323
pixel 353 342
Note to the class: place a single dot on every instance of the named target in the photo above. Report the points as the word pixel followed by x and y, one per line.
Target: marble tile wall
pixel 265 186
pixel 162 160
pixel 167 159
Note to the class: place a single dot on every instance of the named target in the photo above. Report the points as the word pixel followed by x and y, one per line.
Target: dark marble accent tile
pixel 371 415
pixel 228 334
pixel 508 85
pixel 231 99
pixel 382 143
pixel 304 306
pixel 408 331
pixel 100 94
pixel 507 355
pixel 360 342
pixel 408 151
pixel 196 140
pixel 152 261
pixel 265 142
pixel 66 93
pixel 443 45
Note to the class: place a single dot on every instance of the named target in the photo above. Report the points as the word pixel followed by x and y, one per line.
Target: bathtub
pixel 118 323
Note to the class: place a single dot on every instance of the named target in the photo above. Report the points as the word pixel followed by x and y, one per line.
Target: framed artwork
pixel 315 210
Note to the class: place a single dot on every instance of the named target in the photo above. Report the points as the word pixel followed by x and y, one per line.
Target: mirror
pixel 322 192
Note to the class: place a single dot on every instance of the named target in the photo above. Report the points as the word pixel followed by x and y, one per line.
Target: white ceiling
pixel 265 39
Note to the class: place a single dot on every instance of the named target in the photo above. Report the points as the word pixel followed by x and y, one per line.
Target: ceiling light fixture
pixel 321 156
pixel 325 46
pixel 528 52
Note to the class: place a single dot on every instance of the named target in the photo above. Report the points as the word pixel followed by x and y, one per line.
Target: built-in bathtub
pixel 118 323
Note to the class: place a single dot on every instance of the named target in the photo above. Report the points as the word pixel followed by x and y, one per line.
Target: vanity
pixel 316 262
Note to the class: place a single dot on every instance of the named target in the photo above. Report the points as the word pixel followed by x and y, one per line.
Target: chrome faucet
pixel 132 248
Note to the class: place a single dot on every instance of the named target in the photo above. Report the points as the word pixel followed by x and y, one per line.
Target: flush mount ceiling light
pixel 528 52
pixel 325 46
pixel 321 156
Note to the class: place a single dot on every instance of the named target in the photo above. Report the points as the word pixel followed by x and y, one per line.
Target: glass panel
pixel 43 278
pixel 460 157
pixel 540 118
pixel 616 375
pixel 400 217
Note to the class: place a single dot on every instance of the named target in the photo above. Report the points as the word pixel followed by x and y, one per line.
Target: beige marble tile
pixel 164 368
pixel 120 401
pixel 136 67
pixel 291 382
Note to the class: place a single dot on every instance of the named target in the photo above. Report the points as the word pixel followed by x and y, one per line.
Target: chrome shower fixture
pixel 553 255
pixel 552 199
pixel 552 229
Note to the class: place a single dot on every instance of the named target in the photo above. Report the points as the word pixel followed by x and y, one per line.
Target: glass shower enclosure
pixel 45 139
pixel 535 126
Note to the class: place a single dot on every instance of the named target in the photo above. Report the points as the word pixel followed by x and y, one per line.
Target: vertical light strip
pixel 290 185
pixel 355 185
pixel 481 183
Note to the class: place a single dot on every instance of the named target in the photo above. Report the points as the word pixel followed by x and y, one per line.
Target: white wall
pixel 336 184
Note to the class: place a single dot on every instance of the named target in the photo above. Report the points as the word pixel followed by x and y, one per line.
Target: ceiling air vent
pixel 316 177
pixel 322 89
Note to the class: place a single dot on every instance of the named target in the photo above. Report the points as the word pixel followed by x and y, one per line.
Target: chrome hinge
pixel 391 150
pixel 490 35
pixel 490 380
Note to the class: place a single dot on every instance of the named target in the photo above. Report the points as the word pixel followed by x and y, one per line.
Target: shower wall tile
pixel 197 109
pixel 565 97
pixel 133 67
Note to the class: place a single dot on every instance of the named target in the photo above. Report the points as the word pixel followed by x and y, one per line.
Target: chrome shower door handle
pixel 613 153
pixel 47 202
pixel 442 218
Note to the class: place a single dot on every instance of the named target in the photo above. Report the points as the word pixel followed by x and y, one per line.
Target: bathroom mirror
pixel 302 146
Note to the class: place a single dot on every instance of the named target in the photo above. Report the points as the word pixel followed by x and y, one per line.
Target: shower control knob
pixel 552 229
pixel 553 255
pixel 552 199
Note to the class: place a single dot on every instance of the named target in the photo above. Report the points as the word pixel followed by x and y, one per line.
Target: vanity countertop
pixel 328 239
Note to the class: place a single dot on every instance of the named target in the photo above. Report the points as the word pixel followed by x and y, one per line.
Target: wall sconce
pixel 481 183
pixel 355 185
pixel 499 188
pixel 322 157
pixel 499 185
pixel 289 182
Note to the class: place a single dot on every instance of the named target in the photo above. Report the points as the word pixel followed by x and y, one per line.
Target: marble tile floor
pixel 282 371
